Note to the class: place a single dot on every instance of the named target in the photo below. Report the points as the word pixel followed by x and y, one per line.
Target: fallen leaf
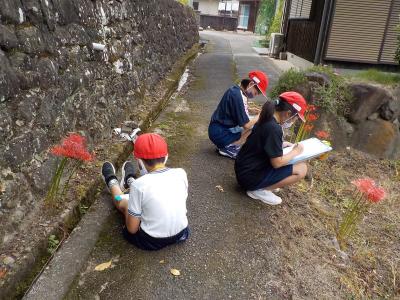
pixel 175 272
pixel 3 273
pixel 103 266
pixel 220 188
pixel 162 261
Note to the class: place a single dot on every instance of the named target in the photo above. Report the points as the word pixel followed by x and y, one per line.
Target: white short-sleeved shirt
pixel 159 200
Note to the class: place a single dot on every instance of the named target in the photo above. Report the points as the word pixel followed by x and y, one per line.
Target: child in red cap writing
pixel 155 214
pixel 230 123
pixel 261 166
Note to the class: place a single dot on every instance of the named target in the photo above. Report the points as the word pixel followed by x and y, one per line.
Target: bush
pixel 334 97
pixel 289 80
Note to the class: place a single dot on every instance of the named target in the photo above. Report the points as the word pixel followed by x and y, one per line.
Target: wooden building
pixel 228 14
pixel 356 31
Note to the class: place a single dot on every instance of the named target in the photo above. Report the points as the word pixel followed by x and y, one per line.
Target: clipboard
pixel 313 147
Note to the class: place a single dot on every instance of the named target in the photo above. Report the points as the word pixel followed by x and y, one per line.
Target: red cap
pixel 297 101
pixel 150 146
pixel 261 80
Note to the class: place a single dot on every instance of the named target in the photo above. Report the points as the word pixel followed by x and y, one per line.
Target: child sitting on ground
pixel 155 214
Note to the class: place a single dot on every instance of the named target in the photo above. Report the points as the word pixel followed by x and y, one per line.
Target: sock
pixel 112 182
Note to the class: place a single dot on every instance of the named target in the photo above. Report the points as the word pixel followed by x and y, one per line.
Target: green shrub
pixel 288 81
pixel 334 97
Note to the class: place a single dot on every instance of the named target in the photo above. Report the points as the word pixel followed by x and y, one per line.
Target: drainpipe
pixel 323 31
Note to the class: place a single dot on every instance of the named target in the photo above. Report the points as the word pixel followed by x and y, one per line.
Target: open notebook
pixel 313 147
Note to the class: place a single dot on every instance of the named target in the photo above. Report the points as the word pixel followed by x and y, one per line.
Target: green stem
pixel 55 183
pixel 74 168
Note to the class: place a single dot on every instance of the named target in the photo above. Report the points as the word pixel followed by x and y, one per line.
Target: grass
pixel 374 75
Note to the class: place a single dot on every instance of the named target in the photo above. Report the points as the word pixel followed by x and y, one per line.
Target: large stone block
pixel 31 40
pixel 67 11
pixel 8 39
pixel 9 83
pixel 48 71
pixel 11 12
pixel 378 137
pixel 33 11
pixel 367 100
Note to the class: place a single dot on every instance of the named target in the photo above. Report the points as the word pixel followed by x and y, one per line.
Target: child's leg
pixel 121 205
pixel 299 172
pixel 243 137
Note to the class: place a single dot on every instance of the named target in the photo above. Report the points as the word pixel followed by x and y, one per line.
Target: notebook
pixel 313 147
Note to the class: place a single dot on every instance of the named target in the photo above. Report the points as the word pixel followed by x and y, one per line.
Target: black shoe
pixel 128 170
pixel 108 172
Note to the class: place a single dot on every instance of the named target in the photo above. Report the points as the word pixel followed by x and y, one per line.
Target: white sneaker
pixel 265 196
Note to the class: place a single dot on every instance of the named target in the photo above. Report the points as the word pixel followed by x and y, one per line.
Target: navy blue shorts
pixel 146 242
pixel 273 176
pixel 222 136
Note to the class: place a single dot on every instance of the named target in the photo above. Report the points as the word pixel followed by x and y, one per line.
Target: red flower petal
pixel 376 194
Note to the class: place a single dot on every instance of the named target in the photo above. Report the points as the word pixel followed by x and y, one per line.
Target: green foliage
pixel 52 244
pixel 397 54
pixel 184 2
pixel 276 23
pixel 334 97
pixel 288 81
pixel 265 16
pixel 373 75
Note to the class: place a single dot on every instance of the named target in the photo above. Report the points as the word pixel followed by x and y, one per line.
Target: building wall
pixel 390 39
pixel 208 7
pixel 357 30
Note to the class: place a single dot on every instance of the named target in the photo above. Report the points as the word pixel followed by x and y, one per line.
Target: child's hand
pixel 298 148
pixel 287 144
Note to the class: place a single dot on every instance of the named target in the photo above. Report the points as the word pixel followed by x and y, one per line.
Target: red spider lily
pixel 376 194
pixel 311 107
pixel 321 134
pixel 73 146
pixel 364 184
pixel 312 117
pixel 308 127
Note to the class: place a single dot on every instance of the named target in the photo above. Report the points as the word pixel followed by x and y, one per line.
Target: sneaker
pixel 108 172
pixel 128 170
pixel 265 196
pixel 230 151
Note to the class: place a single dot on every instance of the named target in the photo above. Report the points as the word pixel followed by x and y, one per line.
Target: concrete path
pixel 235 250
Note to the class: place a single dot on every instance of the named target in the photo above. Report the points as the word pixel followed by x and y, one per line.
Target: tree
pixel 265 16
pixel 276 23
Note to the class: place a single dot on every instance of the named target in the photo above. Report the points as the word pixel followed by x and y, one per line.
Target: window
pixel 196 5
pixel 300 9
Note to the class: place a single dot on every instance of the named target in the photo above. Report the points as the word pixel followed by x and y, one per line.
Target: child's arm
pixel 132 223
pixel 278 162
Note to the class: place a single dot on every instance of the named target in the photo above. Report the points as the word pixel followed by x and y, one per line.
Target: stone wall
pixel 52 81
pixel 372 124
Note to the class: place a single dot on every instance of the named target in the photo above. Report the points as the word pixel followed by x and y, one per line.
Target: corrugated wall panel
pixel 300 9
pixel 357 30
pixel 390 43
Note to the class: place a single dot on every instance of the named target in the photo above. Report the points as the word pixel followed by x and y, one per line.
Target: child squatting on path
pixel 155 214
pixel 260 166
pixel 230 123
